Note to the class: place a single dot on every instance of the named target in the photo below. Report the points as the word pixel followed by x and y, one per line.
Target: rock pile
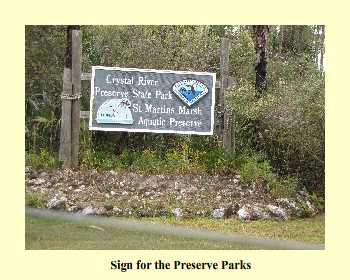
pixel 133 194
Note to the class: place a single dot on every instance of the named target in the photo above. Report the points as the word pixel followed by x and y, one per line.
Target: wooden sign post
pixel 70 120
pixel 71 114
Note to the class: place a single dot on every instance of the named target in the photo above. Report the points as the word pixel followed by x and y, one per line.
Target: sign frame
pixel 145 130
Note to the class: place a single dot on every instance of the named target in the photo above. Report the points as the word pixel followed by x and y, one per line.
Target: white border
pixel 93 68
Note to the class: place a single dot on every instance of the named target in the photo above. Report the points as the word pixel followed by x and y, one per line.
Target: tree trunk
pixel 260 42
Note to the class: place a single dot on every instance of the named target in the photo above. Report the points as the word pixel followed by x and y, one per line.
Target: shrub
pixel 147 161
pixel 181 159
pixel 256 168
pixel 34 200
pixel 43 160
pixel 318 201
pixel 214 160
pixel 305 211
pixel 287 123
pixel 126 158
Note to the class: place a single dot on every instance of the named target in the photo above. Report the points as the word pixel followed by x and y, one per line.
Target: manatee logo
pixel 115 111
pixel 190 91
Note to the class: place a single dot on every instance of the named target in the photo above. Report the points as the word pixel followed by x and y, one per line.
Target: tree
pixel 259 35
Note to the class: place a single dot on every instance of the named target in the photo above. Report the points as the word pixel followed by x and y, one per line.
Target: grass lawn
pixel 307 229
pixel 45 233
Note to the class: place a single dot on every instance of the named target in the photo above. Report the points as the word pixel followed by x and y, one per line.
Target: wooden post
pixel 70 120
pixel 65 152
pixel 76 87
pixel 224 79
pixel 225 114
pixel 66 121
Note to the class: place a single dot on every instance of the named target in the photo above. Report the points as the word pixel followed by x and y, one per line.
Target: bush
pixel 255 168
pixel 215 160
pixel 34 200
pixel 44 61
pixel 318 201
pixel 177 159
pixel 182 159
pixel 102 160
pixel 43 160
pixel 147 161
pixel 287 124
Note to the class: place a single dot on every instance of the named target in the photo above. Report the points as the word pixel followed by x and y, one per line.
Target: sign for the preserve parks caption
pixel 143 100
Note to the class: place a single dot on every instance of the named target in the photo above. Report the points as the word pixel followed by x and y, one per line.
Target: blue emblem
pixel 115 111
pixel 190 91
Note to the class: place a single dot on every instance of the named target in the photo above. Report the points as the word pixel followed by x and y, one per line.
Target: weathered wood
pixel 65 152
pixel 85 76
pixel 84 114
pixel 66 131
pixel 76 84
pixel 224 82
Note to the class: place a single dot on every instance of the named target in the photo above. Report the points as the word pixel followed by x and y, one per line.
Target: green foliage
pixel 108 205
pixel 305 211
pixel 155 47
pixel 126 158
pixel 256 168
pixel 175 160
pixel 35 200
pixel 43 160
pixel 147 161
pixel 283 187
pixel 318 201
pixel 99 160
pixel 287 124
pixel 214 159
pixel 242 57
pixel 252 167
pixel 44 60
pixel 108 189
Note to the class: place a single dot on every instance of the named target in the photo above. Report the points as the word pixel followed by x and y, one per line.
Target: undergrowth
pixel 34 200
pixel 252 167
pixel 42 160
